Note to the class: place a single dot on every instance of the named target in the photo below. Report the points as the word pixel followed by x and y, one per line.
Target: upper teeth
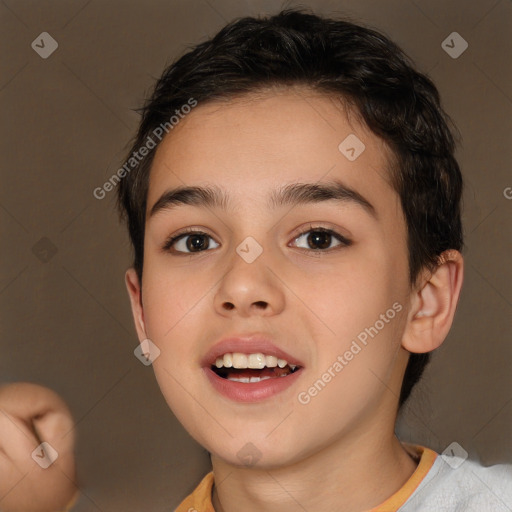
pixel 256 361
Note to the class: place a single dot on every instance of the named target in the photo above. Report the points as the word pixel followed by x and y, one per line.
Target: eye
pixel 321 239
pixel 318 239
pixel 189 241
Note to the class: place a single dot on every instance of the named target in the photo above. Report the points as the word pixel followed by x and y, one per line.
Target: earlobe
pixel 134 292
pixel 433 305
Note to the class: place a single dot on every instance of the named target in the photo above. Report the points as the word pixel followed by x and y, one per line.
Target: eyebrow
pixel 293 194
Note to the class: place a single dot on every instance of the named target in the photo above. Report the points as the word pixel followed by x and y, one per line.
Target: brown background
pixel 66 322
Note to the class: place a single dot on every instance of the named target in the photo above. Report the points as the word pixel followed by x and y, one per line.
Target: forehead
pixel 248 145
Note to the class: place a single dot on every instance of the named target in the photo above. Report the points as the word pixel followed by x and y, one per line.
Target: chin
pixel 256 454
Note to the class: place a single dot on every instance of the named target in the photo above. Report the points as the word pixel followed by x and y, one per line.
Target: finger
pixel 31 414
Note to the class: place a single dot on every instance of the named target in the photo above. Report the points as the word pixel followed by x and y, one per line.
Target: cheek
pixel 174 320
pixel 357 315
pixel 352 295
pixel 169 297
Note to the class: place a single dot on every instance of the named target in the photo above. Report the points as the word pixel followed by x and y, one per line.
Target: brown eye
pixel 190 242
pixel 196 243
pixel 320 239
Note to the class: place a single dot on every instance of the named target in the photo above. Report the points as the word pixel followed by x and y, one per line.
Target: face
pixel 314 282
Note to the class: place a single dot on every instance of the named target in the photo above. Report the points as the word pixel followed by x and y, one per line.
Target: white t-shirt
pixel 453 485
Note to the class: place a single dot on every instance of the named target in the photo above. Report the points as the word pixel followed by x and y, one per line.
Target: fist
pixel 29 415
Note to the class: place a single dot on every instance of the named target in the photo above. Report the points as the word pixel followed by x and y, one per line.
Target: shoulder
pixel 452 485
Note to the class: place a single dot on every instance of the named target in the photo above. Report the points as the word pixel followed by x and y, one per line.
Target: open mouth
pixel 248 368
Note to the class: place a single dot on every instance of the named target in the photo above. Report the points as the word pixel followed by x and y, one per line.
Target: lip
pixel 249 391
pixel 247 344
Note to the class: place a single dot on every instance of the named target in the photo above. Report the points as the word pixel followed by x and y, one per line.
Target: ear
pixel 134 291
pixel 433 304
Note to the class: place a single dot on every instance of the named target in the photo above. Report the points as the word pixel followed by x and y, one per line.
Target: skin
pixel 313 305
pixel 29 415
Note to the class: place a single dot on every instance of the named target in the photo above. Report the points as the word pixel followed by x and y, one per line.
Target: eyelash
pixel 345 242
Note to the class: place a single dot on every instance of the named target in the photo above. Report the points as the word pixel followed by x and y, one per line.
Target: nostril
pixel 261 304
pixel 228 305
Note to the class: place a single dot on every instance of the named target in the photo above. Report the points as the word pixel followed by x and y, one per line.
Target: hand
pixel 29 415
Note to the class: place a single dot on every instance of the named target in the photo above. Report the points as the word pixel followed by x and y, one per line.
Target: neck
pixel 346 475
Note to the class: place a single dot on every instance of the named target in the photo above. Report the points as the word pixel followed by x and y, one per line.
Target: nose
pixel 249 289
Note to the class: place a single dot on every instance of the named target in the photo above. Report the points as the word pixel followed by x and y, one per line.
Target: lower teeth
pixel 246 380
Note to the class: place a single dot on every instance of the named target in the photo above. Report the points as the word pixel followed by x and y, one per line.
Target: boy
pixel 293 202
